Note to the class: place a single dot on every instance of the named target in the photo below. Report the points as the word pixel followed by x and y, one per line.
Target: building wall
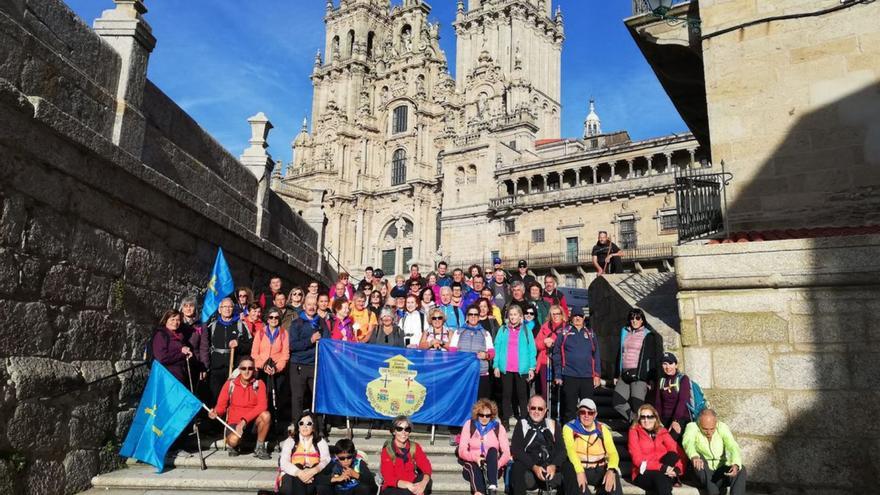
pixel 96 241
pixel 794 112
pixel 788 355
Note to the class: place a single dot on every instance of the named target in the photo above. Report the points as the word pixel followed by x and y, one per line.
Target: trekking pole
pixel 231 361
pixel 549 382
pixel 195 423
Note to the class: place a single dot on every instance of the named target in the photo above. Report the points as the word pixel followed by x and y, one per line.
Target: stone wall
pixel 96 240
pixel 794 110
pixel 781 336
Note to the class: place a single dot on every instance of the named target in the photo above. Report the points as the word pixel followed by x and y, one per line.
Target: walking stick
pixel 549 382
pixel 195 423
pixel 231 361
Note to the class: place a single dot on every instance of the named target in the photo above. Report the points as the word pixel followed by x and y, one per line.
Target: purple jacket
pixel 166 350
pixel 671 397
pixel 194 333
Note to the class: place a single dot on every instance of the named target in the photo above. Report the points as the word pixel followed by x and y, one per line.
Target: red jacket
pixel 396 470
pixel 644 448
pixel 543 350
pixel 556 297
pixel 248 401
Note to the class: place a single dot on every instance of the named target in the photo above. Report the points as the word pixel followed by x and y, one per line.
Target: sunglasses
pixel 586 412
pixel 272 318
pixel 473 314
pixel 297 293
pixel 536 408
pixel 647 416
pixel 242 296
pixel 530 313
pixel 555 314
pixel 484 415
pixel 635 318
pixel 246 368
pixel 436 318
pixel 407 429
pixel 306 423
pixel 344 457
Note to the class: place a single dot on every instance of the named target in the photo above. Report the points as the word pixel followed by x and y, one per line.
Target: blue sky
pixel 225 60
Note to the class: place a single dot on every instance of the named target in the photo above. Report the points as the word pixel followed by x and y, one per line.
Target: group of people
pixel 254 359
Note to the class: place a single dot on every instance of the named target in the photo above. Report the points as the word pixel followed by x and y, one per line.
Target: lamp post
pixel 660 9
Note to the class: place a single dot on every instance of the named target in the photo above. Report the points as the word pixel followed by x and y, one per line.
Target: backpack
pixel 697 401
pixel 495 429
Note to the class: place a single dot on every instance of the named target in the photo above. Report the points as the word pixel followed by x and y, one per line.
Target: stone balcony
pixel 585 192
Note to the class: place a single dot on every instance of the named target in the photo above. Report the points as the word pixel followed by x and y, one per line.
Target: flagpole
pixel 231 429
pixel 315 376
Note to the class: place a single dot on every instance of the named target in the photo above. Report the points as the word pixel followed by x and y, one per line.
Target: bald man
pixel 538 451
pixel 715 455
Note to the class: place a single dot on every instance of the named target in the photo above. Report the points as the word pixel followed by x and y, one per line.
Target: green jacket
pixel 723 450
pixel 527 352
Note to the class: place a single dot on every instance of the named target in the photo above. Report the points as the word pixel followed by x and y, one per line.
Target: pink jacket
pixel 469 447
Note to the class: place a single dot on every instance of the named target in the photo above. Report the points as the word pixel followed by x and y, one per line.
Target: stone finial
pixel 318 61
pixel 558 15
pixel 260 127
pixel 255 157
pixel 460 8
pixel 329 6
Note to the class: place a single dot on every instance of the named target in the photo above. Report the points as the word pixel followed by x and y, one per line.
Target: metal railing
pixel 646 252
pixel 701 203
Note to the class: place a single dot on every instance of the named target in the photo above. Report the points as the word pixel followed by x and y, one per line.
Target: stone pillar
pixel 359 238
pixel 613 172
pixel 131 37
pixel 650 164
pixel 529 185
pixel 577 177
pixel 692 152
pixel 668 162
pixel 259 163
pixel 594 173
pixel 629 163
pixel 417 229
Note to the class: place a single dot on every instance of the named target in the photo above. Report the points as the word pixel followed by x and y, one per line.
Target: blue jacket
pixel 302 349
pixel 451 312
pixel 576 354
pixel 527 352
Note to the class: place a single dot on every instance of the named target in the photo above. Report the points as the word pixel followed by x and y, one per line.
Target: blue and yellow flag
pixel 166 408
pixel 373 381
pixel 219 286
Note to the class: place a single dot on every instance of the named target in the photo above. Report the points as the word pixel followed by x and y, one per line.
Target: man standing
pixel 552 295
pixel 522 274
pixel 454 314
pixel 305 332
pixel 415 276
pixel 606 255
pixel 268 296
pixel 471 296
pixel 367 281
pixel 225 335
pixel 500 289
pixel 442 278
pixel 592 456
pixel 537 450
pixel 576 363
pixel 715 455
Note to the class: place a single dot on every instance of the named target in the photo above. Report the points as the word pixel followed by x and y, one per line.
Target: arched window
pixel 350 43
pixel 371 38
pixel 398 167
pixel 398 123
pixel 459 175
pixel 471 174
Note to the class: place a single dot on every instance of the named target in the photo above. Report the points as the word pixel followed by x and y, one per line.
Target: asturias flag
pixel 373 381
pixel 219 286
pixel 166 408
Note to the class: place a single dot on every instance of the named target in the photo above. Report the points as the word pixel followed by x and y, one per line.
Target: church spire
pixel 592 124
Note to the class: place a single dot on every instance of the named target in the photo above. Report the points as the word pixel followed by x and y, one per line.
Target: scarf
pixel 393 453
pixel 483 431
pixel 272 334
pixel 345 328
pixel 580 430
pixel 313 321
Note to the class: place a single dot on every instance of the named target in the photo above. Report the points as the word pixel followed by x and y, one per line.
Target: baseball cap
pixel 496 260
pixel 522 264
pixel 587 403
pixel 378 273
pixel 669 357
pixel 398 292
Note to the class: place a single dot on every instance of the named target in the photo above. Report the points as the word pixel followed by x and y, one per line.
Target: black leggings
pixel 510 383
pixel 657 481
pixel 474 474
pixel 291 485
pixel 393 490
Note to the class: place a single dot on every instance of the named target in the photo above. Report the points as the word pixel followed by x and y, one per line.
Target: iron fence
pixel 563 258
pixel 700 203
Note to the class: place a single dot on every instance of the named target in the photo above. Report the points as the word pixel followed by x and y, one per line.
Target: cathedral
pixel 406 164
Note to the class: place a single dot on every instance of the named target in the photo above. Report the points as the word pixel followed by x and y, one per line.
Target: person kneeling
pixel 537 450
pixel 303 458
pixel 348 472
pixel 405 468
pixel 483 448
pixel 245 399
pixel 592 456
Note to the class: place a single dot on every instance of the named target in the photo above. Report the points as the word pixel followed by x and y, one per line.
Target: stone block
pixel 131 383
pixel 39 429
pixel 92 370
pixel 821 328
pixel 697 363
pixel 31 316
pixel 763 301
pixel 47 234
pixel 864 366
pixel 92 335
pixel 79 467
pixel 38 377
pixel 65 284
pixel 845 470
pixel 123 422
pixel 97 294
pixel 13 220
pixel 44 477
pixel 741 367
pixel 833 412
pixel 9 269
pixel 689 334
pixel 814 51
pixel 750 413
pixel 97 250
pixel 811 371
pixel 759 458
pixel 742 328
pixel 92 423
pixel 7 478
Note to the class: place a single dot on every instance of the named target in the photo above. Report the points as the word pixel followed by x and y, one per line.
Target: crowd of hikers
pixel 535 420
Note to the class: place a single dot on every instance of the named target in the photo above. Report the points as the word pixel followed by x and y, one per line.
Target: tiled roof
pixel 542 142
pixel 776 235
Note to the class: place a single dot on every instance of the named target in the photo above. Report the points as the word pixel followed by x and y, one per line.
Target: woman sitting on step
pixel 303 456
pixel 405 468
pixel 483 448
pixel 657 461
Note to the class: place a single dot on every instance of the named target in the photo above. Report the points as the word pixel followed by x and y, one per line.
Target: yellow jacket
pixel 611 454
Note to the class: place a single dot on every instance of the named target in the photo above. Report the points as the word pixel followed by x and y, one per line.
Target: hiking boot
pixel 260 451
pixel 233 452
pixel 452 441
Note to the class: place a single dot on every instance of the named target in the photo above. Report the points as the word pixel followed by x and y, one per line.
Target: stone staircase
pixel 246 474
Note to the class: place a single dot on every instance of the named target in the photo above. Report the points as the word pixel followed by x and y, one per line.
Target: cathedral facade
pixel 406 164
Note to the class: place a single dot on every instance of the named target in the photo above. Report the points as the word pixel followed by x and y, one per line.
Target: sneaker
pixel 491 490
pixel 233 452
pixel 261 453
pixel 452 441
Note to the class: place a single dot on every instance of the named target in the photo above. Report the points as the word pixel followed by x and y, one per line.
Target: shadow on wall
pixel 826 172
pixel 608 313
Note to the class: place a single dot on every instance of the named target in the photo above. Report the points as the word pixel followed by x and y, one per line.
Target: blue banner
pixel 381 382
pixel 219 286
pixel 166 408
